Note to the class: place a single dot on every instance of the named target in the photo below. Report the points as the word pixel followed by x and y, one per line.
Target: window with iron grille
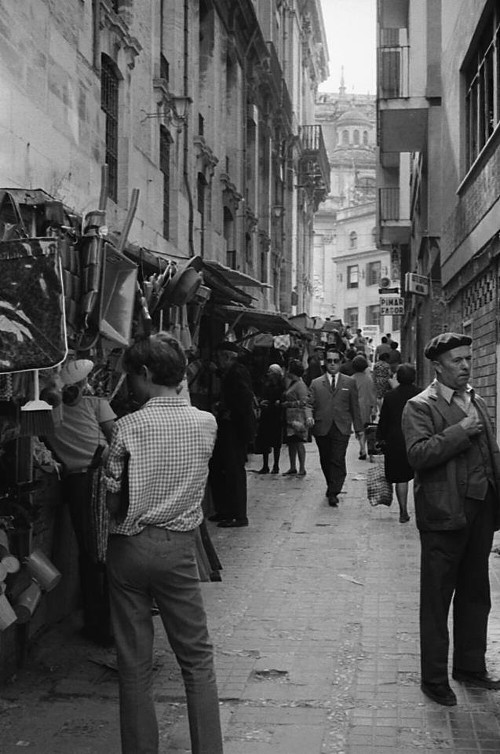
pixel 482 86
pixel 353 276
pixel 351 317
pixel 373 315
pixel 109 105
pixel 165 142
pixel 373 272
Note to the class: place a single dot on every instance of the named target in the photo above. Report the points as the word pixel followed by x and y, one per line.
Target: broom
pixel 36 417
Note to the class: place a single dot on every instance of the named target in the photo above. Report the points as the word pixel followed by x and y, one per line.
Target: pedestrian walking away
pixel 390 436
pixel 452 448
pixel 296 431
pixel 332 408
pixel 160 454
pixel 367 398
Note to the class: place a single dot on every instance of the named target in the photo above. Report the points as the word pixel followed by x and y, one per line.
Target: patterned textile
pixel 99 517
pixel 382 373
pixel 169 443
pixel 379 490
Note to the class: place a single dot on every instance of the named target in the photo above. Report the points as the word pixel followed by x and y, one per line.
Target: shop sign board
pixel 390 304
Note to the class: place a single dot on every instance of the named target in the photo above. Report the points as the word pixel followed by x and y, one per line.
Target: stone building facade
pixel 205 106
pixel 439 152
pixel 348 267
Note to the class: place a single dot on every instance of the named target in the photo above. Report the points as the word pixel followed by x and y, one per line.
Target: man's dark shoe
pixel 480 679
pixel 234 523
pixel 441 693
pixel 220 517
pixel 263 470
pixel 333 501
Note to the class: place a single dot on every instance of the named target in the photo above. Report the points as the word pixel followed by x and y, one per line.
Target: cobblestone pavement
pixel 315 625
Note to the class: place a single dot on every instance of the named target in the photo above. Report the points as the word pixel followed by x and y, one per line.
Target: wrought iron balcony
pixel 393 66
pixel 314 169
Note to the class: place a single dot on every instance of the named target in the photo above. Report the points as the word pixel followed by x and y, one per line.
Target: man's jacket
pixel 237 399
pixel 340 405
pixel 436 445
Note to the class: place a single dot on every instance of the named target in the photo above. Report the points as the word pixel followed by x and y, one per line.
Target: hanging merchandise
pixel 36 415
pixel 7 614
pixel 184 334
pixel 27 602
pixel 118 296
pixel 32 321
pixel 42 570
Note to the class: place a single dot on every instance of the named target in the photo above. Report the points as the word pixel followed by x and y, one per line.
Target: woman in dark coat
pixel 270 431
pixel 397 469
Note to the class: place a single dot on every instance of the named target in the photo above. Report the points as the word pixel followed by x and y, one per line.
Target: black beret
pixel 445 342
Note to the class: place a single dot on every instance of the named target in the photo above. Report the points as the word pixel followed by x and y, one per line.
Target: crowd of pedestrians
pixel 167 457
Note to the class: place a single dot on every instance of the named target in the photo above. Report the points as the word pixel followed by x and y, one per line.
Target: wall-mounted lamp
pixel 173 108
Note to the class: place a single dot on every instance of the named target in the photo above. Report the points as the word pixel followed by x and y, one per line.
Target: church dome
pixel 354 118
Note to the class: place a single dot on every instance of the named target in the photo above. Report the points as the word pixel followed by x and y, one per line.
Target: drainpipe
pixel 96 33
pixel 186 133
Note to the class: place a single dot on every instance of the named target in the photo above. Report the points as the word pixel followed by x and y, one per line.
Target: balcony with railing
pixel 393 213
pixel 401 105
pixel 314 168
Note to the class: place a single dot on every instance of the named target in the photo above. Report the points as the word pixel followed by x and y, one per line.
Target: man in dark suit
pixel 332 408
pixel 452 448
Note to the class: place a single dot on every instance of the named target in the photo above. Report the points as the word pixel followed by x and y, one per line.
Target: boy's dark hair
pixel 394 345
pixel 405 374
pixel 296 367
pixel 162 354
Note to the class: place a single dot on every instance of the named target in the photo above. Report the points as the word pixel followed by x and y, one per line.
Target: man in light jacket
pixel 332 408
pixel 452 448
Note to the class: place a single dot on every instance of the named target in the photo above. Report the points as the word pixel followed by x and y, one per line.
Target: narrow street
pixel 315 624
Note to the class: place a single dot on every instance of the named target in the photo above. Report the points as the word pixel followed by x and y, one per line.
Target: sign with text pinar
pixel 390 304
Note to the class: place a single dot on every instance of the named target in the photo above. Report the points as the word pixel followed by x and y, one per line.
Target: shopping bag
pixel 379 490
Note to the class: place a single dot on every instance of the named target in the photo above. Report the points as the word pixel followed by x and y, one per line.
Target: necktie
pixel 333 382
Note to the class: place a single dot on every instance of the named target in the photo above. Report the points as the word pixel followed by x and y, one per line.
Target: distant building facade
pixel 438 174
pixel 348 267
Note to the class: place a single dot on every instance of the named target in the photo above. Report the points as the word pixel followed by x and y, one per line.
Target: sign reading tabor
pixel 391 305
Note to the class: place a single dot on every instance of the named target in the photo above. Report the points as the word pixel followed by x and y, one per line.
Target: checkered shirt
pixel 169 444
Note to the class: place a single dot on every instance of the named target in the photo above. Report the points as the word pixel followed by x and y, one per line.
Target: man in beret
pixel 452 448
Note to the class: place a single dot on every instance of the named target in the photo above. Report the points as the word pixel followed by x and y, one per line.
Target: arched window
pixel 353 239
pixel 365 137
pixel 345 136
pixel 356 136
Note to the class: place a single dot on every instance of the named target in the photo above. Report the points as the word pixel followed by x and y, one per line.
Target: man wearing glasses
pixel 332 409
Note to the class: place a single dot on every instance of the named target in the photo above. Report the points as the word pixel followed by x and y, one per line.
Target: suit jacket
pixel 436 445
pixel 340 405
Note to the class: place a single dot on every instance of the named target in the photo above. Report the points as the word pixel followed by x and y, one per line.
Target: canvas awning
pixel 235 277
pixel 261 320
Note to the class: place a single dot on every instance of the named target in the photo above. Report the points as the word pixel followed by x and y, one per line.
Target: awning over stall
pixel 235 277
pixel 262 321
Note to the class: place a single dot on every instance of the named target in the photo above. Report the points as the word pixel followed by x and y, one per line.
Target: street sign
pixel 391 305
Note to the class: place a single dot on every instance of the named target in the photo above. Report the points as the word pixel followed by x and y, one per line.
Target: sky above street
pixel 351 31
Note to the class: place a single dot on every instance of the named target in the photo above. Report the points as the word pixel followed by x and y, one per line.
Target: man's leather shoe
pixel 333 501
pixel 220 517
pixel 480 679
pixel 234 523
pixel 441 693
